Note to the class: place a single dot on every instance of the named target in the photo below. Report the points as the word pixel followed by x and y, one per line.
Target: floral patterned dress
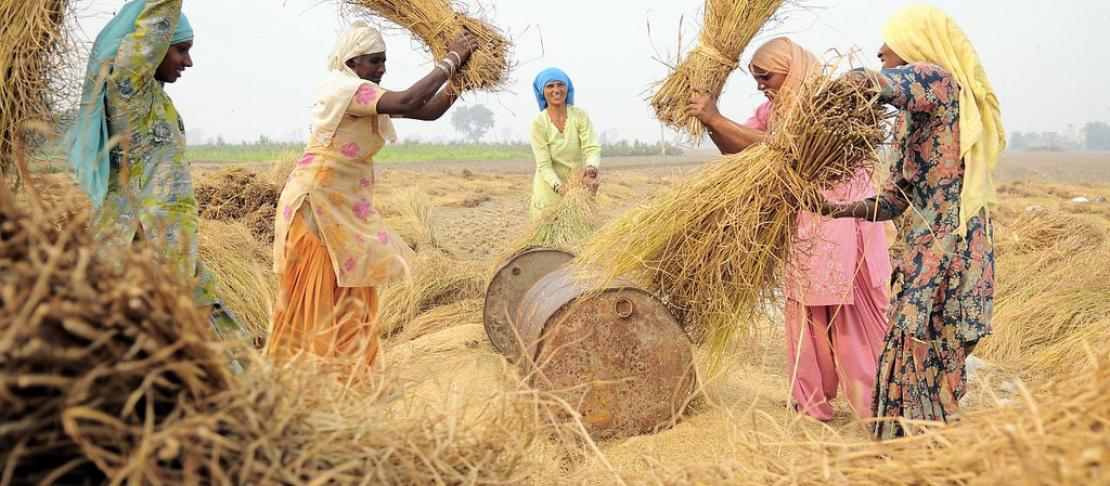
pixel 337 183
pixel 152 189
pixel 944 282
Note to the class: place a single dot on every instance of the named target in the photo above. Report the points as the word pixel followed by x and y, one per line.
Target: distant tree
pixel 1096 136
pixel 472 121
pixel 1017 141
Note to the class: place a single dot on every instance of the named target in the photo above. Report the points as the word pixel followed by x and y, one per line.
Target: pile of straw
pixel 438 280
pixel 33 58
pixel 713 247
pixel 730 25
pixel 437 22
pixel 1053 289
pixel 439 318
pixel 412 216
pixel 98 361
pixel 243 268
pixel 107 375
pixel 239 195
pixel 1047 230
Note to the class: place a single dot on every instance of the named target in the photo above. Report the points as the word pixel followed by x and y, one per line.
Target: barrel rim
pixel 486 303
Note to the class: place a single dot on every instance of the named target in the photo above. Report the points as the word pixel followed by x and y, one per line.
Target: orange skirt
pixel 316 316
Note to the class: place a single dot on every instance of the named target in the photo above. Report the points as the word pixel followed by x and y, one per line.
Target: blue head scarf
pixel 547 76
pixel 86 142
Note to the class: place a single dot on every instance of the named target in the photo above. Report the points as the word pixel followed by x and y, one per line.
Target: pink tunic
pixel 835 316
pixel 827 252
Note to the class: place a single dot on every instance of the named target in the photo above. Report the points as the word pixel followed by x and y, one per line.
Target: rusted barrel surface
pixel 615 353
pixel 507 288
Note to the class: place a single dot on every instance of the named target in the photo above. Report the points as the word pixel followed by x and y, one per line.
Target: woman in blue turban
pixel 127 145
pixel 563 141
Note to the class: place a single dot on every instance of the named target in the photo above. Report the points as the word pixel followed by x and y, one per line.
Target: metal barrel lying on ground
pixel 613 354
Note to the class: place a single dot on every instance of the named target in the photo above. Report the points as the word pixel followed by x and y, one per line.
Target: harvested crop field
pixel 1036 412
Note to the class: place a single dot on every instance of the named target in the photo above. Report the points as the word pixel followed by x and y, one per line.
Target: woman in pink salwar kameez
pixel 836 281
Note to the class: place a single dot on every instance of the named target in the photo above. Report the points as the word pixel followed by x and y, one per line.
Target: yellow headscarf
pixel 924 33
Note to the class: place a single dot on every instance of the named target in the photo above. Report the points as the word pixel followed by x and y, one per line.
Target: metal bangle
pixel 443 68
pixel 450 64
pixel 458 58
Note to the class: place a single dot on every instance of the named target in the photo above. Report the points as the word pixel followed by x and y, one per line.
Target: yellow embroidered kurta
pixel 557 153
pixel 335 186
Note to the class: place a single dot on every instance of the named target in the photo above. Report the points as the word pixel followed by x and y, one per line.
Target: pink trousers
pixel 830 346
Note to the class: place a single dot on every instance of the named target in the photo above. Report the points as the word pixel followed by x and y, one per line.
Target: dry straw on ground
pixel 438 279
pixel 730 25
pixel 34 47
pixel 713 246
pixel 1056 435
pixel 437 22
pixel 411 214
pixel 239 195
pixel 243 268
pixel 1053 293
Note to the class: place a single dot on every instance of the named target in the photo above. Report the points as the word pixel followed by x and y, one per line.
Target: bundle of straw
pixel 94 354
pixel 437 22
pixel 730 25
pixel 33 46
pixel 567 224
pixel 714 245
pixel 244 273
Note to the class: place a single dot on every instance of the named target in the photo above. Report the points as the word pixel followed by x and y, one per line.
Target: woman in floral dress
pixel 127 145
pixel 332 248
pixel 950 135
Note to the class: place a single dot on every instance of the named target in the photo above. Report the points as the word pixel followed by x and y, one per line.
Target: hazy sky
pixel 257 61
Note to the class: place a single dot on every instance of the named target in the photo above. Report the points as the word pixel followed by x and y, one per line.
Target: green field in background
pixel 405 152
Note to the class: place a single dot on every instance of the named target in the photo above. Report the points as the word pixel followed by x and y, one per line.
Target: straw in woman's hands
pixel 730 25
pixel 437 22
pixel 714 247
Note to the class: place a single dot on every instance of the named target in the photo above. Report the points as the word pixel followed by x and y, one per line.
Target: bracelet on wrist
pixel 458 58
pixel 444 68
pixel 450 64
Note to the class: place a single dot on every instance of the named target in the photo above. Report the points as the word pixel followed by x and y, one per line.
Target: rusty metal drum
pixel 507 288
pixel 614 352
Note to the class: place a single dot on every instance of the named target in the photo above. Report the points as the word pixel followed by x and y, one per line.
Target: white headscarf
pixel 334 94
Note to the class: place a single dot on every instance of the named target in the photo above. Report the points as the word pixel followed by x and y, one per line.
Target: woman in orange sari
pixel 332 249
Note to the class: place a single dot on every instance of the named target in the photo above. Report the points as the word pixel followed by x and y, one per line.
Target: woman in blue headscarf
pixel 563 141
pixel 127 145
